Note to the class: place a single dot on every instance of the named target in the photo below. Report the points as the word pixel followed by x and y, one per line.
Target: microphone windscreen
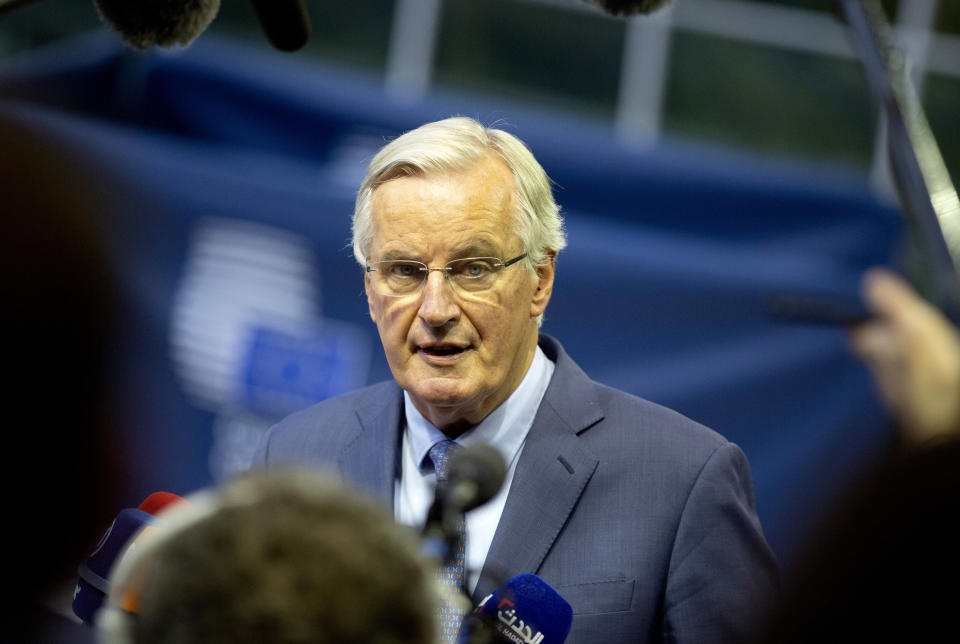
pixel 629 7
pixel 481 464
pixel 285 22
pixel 159 500
pixel 524 609
pixel 93 585
pixel 158 23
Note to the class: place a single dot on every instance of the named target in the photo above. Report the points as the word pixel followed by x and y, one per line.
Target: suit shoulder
pixel 340 406
pixel 656 426
pixel 672 453
pixel 323 428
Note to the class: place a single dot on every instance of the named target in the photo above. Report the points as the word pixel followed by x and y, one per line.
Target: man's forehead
pixel 489 171
pixel 443 235
pixel 449 212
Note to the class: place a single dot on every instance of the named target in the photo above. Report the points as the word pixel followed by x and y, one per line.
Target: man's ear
pixel 371 297
pixel 544 287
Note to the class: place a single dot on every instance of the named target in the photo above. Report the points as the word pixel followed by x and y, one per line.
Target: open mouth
pixel 442 350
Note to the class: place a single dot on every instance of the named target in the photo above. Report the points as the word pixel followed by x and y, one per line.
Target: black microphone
pixel 474 476
pixel 818 308
pixel 629 7
pixel 524 610
pixel 285 22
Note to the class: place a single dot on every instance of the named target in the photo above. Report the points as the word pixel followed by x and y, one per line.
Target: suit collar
pixel 571 393
pixel 372 456
pixel 553 470
pixel 552 473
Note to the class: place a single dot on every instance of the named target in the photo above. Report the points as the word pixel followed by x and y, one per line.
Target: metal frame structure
pixel 646 51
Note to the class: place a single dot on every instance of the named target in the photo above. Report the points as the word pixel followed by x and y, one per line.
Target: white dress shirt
pixel 505 429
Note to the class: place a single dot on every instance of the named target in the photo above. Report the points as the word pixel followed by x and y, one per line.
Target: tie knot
pixel 440 454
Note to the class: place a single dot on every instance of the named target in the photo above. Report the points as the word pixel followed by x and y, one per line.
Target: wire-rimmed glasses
pixel 402 277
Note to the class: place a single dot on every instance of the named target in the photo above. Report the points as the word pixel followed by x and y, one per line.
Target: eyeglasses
pixel 401 277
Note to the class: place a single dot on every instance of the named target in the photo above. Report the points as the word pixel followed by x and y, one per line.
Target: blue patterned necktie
pixel 451 576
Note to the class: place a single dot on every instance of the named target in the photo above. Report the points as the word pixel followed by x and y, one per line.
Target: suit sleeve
pixel 722 575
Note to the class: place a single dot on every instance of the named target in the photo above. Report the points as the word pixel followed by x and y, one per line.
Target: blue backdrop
pixel 237 171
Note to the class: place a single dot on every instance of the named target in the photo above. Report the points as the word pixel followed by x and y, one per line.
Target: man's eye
pixel 476 269
pixel 404 270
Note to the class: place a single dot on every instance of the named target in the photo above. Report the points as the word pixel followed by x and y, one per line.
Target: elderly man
pixel 642 519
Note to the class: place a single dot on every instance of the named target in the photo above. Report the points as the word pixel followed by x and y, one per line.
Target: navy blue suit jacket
pixel 641 518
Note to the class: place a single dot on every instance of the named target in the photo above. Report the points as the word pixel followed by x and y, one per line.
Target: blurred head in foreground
pixel 274 557
pixel 57 337
pixel 882 564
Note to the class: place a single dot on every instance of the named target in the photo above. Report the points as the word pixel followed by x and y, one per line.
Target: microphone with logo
pixel 525 610
pixel 474 476
pixel 93 586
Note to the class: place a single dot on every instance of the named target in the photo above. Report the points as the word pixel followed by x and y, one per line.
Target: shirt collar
pixel 505 428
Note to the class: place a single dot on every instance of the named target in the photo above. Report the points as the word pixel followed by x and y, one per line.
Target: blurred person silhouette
pixel 883 557
pixel 882 563
pixel 282 557
pixel 59 302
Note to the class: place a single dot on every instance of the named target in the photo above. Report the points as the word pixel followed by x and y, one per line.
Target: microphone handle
pixel 286 23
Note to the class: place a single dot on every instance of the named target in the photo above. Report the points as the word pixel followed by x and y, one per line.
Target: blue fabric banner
pixel 237 172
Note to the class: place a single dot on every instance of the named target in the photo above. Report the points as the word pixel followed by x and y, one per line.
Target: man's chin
pixel 440 392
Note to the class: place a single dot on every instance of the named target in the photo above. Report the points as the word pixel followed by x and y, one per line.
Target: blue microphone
pixel 525 610
pixel 93 584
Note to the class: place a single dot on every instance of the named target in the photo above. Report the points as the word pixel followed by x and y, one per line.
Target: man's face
pixel 459 355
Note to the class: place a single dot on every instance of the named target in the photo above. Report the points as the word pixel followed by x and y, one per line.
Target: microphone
pixel 93 585
pixel 818 308
pixel 629 7
pixel 474 476
pixel 157 501
pixel 285 22
pixel 525 610
pixel 143 24
pixel 158 23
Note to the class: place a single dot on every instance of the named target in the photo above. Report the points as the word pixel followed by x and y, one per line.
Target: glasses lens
pixel 399 277
pixel 474 273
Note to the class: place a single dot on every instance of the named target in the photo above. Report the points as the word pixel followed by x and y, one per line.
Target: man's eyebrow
pixel 391 255
pixel 473 248
pixel 476 248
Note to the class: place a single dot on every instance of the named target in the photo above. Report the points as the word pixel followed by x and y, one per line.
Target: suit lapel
pixel 371 457
pixel 552 473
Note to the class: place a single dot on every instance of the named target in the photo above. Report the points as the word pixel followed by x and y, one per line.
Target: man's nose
pixel 438 305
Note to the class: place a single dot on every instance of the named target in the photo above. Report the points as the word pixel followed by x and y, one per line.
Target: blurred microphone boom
pixel 629 7
pixel 158 23
pixel 143 24
pixel 525 609
pixel 285 22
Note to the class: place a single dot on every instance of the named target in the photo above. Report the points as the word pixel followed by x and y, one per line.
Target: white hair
pixel 456 144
